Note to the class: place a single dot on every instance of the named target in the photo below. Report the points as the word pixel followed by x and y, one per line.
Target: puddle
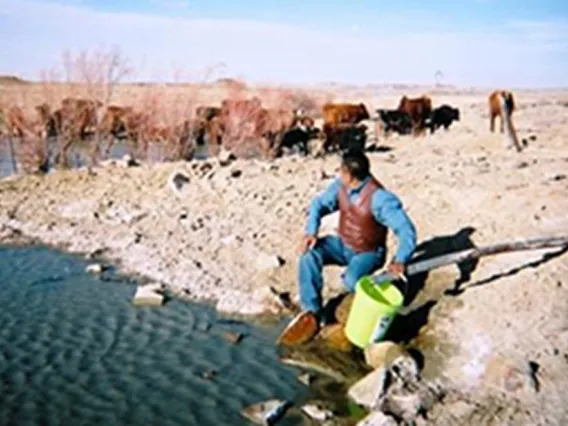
pixel 73 350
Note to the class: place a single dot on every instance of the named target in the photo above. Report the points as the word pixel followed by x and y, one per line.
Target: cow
pixel 202 124
pixel 342 137
pixel 419 110
pixel 334 114
pixel 207 113
pixel 443 117
pixel 395 120
pixel 78 117
pixel 495 107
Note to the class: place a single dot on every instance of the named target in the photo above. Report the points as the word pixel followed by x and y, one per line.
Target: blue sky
pixel 473 42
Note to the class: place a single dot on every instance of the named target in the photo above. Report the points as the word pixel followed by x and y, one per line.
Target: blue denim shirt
pixel 387 210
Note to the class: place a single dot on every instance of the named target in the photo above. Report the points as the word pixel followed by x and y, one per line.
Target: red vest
pixel 358 227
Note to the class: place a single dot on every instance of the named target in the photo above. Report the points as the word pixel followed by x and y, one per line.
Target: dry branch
pixel 476 253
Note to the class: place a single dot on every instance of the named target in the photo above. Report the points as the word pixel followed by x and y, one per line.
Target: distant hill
pixel 12 79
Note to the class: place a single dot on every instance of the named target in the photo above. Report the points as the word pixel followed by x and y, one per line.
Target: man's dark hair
pixel 356 163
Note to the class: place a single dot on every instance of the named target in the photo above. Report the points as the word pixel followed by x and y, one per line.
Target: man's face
pixel 345 176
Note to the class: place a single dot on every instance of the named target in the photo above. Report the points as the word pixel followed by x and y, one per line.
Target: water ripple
pixel 74 351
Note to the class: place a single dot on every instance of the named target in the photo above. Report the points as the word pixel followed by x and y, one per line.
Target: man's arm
pixel 388 210
pixel 321 206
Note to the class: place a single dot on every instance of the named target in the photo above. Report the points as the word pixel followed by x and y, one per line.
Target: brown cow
pixel 334 114
pixel 79 117
pixel 270 127
pixel 419 110
pixel 495 107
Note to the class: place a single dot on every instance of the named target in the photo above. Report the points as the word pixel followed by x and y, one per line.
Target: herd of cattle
pixel 343 126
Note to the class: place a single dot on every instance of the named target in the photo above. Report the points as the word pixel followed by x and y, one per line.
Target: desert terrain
pixel 216 239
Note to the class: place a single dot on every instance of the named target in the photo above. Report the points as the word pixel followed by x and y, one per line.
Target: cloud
pixel 33 34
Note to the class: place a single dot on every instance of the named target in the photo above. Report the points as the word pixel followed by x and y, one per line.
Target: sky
pixel 489 43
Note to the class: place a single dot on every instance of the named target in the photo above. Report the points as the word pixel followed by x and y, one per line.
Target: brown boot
pixel 301 330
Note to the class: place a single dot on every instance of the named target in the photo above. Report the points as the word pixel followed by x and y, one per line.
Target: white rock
pixel 316 412
pixel 128 161
pixel 177 181
pixel 405 407
pixel 95 268
pixel 377 418
pixel 265 262
pixel 148 296
pixel 378 355
pixel 369 389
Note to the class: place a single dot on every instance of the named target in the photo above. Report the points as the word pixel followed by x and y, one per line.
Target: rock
pixel 369 390
pixel 317 412
pixel 381 355
pixel 265 262
pixel 306 379
pixel 405 407
pixel 128 161
pixel 405 368
pixel 203 327
pixel 510 375
pixel 522 165
pixel 226 157
pixel 334 337
pixel 95 253
pixel 377 418
pixel 177 181
pixel 148 295
pixel 266 413
pixel 283 299
pixel 236 173
pixel 342 311
pixel 208 374
pixel 95 268
pixel 233 338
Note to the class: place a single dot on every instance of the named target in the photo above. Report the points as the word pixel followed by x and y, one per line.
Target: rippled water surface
pixel 74 351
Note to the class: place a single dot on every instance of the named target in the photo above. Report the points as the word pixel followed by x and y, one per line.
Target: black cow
pixel 345 137
pixel 443 116
pixel 297 136
pixel 395 120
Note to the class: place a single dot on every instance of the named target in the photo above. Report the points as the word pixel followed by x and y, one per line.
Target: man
pixel 366 211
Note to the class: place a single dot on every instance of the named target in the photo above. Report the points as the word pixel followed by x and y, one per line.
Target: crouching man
pixel 366 211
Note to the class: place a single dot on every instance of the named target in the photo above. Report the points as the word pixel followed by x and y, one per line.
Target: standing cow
pixel 495 109
pixel 419 110
pixel 443 117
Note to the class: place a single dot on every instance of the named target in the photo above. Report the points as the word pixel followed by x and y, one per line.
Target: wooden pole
pixel 415 268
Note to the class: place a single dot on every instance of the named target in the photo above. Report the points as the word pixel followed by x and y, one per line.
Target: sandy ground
pixel 205 243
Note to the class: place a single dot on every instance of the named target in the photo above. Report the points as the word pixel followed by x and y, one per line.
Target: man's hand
pixel 308 242
pixel 397 269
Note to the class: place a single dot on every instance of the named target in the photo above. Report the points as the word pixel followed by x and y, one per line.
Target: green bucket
pixel 374 307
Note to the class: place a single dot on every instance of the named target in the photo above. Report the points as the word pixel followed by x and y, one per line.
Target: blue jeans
pixel 330 250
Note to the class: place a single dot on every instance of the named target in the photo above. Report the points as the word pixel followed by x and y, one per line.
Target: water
pixel 80 154
pixel 74 351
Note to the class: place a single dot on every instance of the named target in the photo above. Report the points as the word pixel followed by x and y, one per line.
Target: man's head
pixel 354 168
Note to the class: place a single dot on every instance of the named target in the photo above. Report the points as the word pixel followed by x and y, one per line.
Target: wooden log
pixel 415 268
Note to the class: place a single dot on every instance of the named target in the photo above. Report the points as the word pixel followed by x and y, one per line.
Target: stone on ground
pixel 177 181
pixel 148 296
pixel 317 412
pixel 367 391
pixel 266 262
pixel 378 418
pixel 95 268
pixel 342 311
pixel 335 338
pixel 378 355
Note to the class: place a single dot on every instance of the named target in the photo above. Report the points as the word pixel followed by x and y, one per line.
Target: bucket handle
pixel 383 275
